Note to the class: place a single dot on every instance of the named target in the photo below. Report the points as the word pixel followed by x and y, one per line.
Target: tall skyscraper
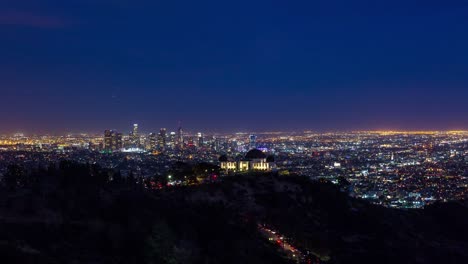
pixel 252 141
pixel 108 140
pixel 200 140
pixel 162 139
pixel 112 140
pixel 172 140
pixel 135 137
pixel 153 141
pixel 118 141
pixel 180 137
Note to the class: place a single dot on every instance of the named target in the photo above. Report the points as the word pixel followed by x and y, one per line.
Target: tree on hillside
pixel 160 245
pixel 14 176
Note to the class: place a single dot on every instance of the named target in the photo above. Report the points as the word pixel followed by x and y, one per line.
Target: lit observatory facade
pixel 254 160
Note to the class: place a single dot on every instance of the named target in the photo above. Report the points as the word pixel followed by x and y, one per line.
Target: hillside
pixel 72 216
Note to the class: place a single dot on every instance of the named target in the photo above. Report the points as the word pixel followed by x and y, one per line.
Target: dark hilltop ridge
pixel 85 214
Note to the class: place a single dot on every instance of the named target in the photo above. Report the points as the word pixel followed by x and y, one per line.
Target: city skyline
pixel 266 132
pixel 93 65
pixel 146 132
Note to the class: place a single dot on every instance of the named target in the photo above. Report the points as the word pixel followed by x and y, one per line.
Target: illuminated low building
pixel 254 160
pixel 228 165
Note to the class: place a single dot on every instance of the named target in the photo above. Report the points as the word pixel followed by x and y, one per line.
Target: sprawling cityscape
pixel 233 132
pixel 390 168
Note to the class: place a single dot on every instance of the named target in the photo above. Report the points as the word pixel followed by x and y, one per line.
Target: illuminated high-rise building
pixel 162 139
pixel 172 140
pixel 180 137
pixel 135 129
pixel 152 141
pixel 135 137
pixel 112 140
pixel 200 140
pixel 118 141
pixel 108 140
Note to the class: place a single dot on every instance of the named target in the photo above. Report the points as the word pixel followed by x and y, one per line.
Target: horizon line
pixel 306 131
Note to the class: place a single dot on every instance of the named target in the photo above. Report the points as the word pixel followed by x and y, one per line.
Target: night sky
pixel 89 65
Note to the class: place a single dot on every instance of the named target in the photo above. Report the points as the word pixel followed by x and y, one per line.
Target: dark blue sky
pixel 88 65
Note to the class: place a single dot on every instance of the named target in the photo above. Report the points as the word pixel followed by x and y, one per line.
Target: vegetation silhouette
pixel 82 213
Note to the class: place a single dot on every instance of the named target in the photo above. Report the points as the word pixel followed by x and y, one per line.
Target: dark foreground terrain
pixel 84 214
